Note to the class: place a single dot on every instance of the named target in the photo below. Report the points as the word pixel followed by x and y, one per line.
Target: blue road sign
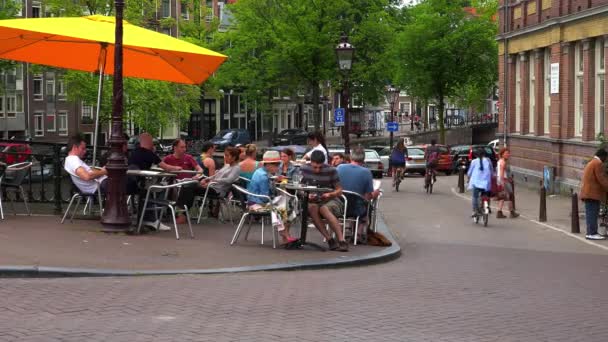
pixel 339 117
pixel 392 126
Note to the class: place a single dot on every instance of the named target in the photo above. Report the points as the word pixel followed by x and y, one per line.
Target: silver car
pixel 372 161
pixel 415 162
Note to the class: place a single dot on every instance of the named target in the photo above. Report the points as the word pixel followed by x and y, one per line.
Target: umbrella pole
pixel 102 67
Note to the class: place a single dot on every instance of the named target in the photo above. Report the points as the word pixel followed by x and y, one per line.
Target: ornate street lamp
pixel 345 53
pixel 392 97
pixel 116 215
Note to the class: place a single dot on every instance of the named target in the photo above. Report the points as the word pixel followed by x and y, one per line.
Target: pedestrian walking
pixel 593 190
pixel 504 180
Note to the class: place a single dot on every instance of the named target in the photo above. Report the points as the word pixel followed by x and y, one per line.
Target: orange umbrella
pixel 83 43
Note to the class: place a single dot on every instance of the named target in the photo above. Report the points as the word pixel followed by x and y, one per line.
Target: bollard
pixel 513 193
pixel 542 214
pixel 460 179
pixel 575 224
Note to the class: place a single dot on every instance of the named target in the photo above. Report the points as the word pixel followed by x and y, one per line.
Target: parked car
pixel 415 162
pixel 12 153
pixel 292 136
pixel 445 163
pixel 495 144
pixel 231 137
pixel 372 160
pixel 385 154
pixel 490 153
pixel 464 154
pixel 299 150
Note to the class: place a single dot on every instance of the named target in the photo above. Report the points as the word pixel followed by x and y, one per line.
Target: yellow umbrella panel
pixel 76 43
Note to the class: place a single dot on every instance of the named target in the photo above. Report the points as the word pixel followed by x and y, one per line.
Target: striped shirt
pixel 326 178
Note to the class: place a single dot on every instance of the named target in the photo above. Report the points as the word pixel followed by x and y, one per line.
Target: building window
pixel 37 92
pixel 547 109
pixel 517 94
pixel 88 138
pixel 39 124
pixel 62 123
pixel 184 10
pixel 166 8
pixel 166 30
pixel 50 90
pixel 36 9
pixel 600 72
pixel 532 94
pixel 61 95
pixel 578 90
pixel 87 114
pixel 50 122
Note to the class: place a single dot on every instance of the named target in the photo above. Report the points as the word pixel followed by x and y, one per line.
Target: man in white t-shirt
pixel 86 179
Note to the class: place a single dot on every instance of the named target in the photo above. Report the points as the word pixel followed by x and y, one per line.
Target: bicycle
pixel 483 210
pixel 397 177
pixel 429 180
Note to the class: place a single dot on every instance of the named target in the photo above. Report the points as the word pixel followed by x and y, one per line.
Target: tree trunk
pixel 315 104
pixel 425 114
pixel 440 118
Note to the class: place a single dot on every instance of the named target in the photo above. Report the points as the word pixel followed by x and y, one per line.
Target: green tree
pixel 444 51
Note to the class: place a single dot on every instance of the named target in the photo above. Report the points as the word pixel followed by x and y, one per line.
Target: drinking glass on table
pixel 295 179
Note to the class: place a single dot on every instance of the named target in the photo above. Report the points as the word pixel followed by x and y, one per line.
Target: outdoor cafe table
pixel 306 190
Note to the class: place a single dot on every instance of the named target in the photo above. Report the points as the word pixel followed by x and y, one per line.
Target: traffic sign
pixel 392 126
pixel 339 117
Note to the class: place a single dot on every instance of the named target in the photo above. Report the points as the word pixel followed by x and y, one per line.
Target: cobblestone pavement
pixel 512 281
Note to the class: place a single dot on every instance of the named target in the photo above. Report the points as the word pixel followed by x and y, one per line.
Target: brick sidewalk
pixel 559 208
pixel 42 241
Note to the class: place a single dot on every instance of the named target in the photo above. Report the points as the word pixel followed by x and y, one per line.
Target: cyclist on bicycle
pixel 397 160
pixel 431 156
pixel 480 177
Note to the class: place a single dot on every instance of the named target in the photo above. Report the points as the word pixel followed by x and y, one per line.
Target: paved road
pixel 512 281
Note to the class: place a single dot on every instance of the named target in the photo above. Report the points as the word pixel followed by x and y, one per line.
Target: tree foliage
pixel 444 51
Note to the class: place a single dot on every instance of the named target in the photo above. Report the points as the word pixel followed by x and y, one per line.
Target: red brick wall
pixel 605 87
pixel 566 89
pixel 556 105
pixel 525 93
pixel 501 93
pixel 511 117
pixel 589 90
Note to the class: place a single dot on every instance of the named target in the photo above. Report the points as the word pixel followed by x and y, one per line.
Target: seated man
pixel 328 205
pixel 86 179
pixel 260 184
pixel 356 178
pixel 142 158
pixel 182 160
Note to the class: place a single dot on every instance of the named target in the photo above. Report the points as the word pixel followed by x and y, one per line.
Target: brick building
pixel 553 53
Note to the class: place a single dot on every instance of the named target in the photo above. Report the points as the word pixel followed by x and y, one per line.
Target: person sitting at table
pixel 286 167
pixel 183 160
pixel 86 179
pixel 261 184
pixel 358 179
pixel 224 178
pixel 328 205
pixel 249 165
pixel 338 158
pixel 142 158
pixel 207 163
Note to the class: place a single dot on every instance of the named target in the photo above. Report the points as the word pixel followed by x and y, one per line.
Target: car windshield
pixel 288 132
pixel 385 151
pixel 415 152
pixel 226 135
pixel 371 155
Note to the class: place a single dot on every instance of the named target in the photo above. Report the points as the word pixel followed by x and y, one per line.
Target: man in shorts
pixel 326 205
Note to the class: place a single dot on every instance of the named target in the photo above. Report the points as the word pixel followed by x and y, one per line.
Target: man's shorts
pixel 335 206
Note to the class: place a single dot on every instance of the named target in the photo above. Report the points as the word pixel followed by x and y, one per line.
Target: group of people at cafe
pixel 260 177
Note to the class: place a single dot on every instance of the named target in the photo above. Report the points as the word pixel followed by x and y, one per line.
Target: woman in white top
pixel 317 141
pixel 504 180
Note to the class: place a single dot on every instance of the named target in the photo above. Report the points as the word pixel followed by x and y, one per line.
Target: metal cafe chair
pixel 11 181
pixel 262 214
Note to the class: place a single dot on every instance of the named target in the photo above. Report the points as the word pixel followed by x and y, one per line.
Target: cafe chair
pixel 78 196
pixel 350 215
pixel 161 204
pixel 373 215
pixel 11 181
pixel 203 200
pixel 262 214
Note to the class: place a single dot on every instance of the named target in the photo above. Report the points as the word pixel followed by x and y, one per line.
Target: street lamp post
pixel 345 53
pixel 392 96
pixel 116 216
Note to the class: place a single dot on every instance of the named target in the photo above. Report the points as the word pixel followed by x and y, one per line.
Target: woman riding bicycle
pixel 480 177
pixel 397 161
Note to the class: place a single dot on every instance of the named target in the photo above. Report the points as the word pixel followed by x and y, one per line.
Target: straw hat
pixel 271 157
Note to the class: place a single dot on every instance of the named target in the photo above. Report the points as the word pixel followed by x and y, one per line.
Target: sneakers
pixel 342 246
pixel 595 237
pixel 333 244
pixel 513 215
pixel 154 224
pixel 500 215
